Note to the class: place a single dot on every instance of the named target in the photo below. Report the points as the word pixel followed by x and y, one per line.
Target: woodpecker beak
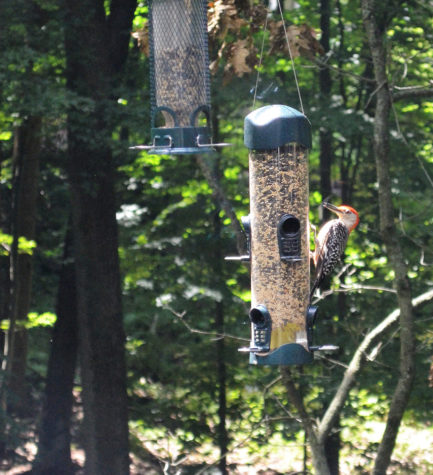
pixel 331 207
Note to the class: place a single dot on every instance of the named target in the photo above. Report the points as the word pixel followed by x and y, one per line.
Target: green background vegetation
pixel 174 234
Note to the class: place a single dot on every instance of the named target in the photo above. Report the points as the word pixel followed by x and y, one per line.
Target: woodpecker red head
pixel 347 214
pixel 331 241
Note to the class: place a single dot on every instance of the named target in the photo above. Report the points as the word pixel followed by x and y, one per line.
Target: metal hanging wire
pixel 291 59
pixel 260 61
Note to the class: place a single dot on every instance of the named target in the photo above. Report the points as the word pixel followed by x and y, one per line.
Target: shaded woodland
pixel 121 320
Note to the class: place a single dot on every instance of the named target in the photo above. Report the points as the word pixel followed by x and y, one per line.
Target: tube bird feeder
pixel 278 138
pixel 179 77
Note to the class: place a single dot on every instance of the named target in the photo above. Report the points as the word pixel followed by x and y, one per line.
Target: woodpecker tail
pixel 319 275
pixel 314 288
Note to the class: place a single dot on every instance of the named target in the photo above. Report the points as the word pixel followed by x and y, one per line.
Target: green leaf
pixel 46 319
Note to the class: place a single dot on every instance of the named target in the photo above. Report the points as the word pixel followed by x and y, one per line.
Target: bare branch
pixel 225 204
pixel 242 442
pixel 352 288
pixel 378 88
pixel 215 335
pixel 296 400
pixel 324 64
pixel 412 92
pixel 415 241
pixel 356 364
pixel 317 447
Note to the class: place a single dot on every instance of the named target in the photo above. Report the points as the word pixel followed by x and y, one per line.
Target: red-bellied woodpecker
pixel 331 241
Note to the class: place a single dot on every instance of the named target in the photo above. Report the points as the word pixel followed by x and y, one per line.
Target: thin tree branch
pixel 317 435
pixel 378 88
pixel 297 401
pixel 324 64
pixel 345 289
pixel 356 364
pixel 317 447
pixel 242 442
pixel 225 204
pixel 411 92
pixel 215 335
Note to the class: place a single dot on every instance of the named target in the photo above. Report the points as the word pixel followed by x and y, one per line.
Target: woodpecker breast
pixel 331 241
pixel 330 244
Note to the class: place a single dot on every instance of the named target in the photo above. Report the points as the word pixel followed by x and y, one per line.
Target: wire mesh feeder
pixel 179 77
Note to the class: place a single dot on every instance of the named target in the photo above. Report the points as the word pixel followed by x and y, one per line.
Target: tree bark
pixel 376 36
pixel 219 194
pixel 223 438
pixel 222 435
pixel 54 451
pixel 317 446
pixel 325 86
pixel 332 441
pixel 96 48
pixel 210 172
pixel 4 266
pixel 25 191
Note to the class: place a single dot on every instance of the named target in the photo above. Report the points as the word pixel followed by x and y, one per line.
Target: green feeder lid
pixel 273 126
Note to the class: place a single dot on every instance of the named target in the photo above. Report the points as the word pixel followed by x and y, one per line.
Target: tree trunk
pixel 5 297
pixel 101 335
pixel 222 434
pixel 332 450
pixel 223 439
pixel 4 266
pixel 317 445
pixel 25 190
pixel 96 47
pixel 54 451
pixel 376 35
pixel 325 86
pixel 332 442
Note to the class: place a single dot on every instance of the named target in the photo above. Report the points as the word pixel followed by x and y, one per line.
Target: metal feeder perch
pixel 278 138
pixel 179 76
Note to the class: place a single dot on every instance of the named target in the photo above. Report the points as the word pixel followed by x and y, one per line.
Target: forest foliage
pixel 193 399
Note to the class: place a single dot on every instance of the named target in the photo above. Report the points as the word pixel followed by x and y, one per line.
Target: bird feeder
pixel 279 138
pixel 179 76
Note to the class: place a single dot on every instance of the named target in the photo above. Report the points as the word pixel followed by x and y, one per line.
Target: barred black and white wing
pixel 330 245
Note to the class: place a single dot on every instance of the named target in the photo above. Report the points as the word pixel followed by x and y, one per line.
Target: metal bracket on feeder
pixel 180 80
pixel 278 138
pixel 311 320
pixel 245 220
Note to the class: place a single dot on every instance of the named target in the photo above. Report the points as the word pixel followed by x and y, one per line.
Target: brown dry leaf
pixel 222 17
pixel 302 40
pixel 258 15
pixel 234 24
pixel 309 45
pixel 239 54
pixel 142 37
pixel 214 64
pixel 278 41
